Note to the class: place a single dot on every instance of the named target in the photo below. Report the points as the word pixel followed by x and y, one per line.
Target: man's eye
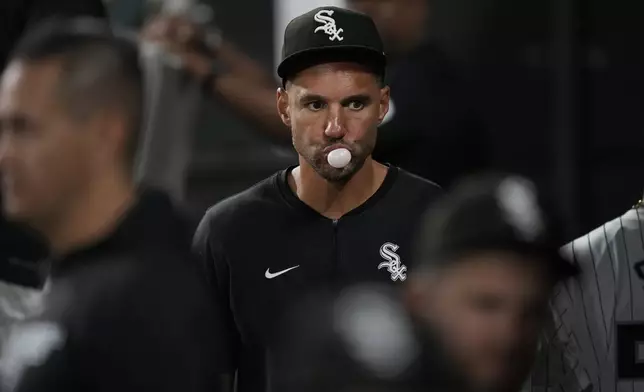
pixel 315 106
pixel 356 105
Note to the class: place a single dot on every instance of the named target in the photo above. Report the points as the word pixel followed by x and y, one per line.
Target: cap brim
pixel 304 59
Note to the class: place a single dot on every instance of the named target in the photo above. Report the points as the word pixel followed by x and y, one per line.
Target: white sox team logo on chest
pixel 397 270
pixel 328 25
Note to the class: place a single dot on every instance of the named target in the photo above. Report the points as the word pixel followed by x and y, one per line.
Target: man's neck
pixel 92 216
pixel 335 200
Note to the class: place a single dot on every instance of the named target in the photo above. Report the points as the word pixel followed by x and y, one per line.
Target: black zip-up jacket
pixel 265 248
pixel 131 312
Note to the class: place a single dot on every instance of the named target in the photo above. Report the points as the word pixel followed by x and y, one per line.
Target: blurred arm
pixel 247 89
pixel 239 82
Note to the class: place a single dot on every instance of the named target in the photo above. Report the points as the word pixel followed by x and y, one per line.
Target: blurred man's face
pixel 45 156
pixel 489 308
pixel 400 22
pixel 332 106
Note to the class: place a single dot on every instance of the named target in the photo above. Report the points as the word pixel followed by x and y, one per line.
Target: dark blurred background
pixel 558 83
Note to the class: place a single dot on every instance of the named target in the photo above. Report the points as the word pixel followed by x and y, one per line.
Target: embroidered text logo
pixel 328 25
pixel 393 264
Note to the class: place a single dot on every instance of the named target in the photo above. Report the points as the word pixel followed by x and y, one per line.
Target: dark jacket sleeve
pixel 209 252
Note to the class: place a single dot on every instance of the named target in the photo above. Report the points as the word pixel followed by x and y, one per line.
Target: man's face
pixel 398 21
pixel 489 309
pixel 332 106
pixel 44 154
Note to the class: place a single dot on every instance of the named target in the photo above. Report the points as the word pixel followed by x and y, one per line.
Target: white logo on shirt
pixel 269 275
pixel 328 25
pixel 393 264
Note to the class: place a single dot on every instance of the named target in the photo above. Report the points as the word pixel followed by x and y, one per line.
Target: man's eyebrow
pixel 346 100
pixel 311 98
pixel 364 98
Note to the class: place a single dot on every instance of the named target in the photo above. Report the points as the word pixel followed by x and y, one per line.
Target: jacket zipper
pixel 336 250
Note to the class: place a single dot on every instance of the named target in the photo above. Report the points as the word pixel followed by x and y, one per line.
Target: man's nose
pixel 334 126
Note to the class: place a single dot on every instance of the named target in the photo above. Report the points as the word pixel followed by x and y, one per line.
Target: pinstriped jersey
pixel 599 318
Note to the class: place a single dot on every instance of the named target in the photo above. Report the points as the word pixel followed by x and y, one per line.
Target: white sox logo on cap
pixel 328 25
pixel 518 201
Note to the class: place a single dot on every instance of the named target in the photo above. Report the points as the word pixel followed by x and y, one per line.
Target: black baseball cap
pixel 494 212
pixel 331 34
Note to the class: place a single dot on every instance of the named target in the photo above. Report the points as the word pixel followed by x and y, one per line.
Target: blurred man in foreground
pixel 429 122
pixel 359 339
pixel 20 249
pixel 489 261
pixel 124 309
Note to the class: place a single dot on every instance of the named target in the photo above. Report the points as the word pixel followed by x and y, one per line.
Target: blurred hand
pixel 183 38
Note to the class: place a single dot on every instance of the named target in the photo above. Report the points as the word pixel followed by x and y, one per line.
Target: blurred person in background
pixel 488 263
pixel 124 307
pixel 359 339
pixel 319 223
pixel 20 249
pixel 430 120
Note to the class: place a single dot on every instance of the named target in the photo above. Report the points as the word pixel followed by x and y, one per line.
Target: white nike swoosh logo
pixel 275 275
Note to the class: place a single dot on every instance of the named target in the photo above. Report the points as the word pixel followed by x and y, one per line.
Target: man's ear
pixel 384 103
pixel 110 137
pixel 283 106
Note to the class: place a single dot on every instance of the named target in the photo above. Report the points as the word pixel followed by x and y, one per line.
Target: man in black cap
pixel 125 307
pixel 488 262
pixel 339 216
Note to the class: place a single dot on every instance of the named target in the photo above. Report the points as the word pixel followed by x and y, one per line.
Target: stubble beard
pixel 318 161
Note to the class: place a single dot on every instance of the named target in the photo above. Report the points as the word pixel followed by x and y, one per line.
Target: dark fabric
pixel 18 248
pixel 135 311
pixel 267 229
pixel 434 132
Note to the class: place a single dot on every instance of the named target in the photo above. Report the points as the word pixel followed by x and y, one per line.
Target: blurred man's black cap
pixel 494 212
pixel 359 339
pixel 331 34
